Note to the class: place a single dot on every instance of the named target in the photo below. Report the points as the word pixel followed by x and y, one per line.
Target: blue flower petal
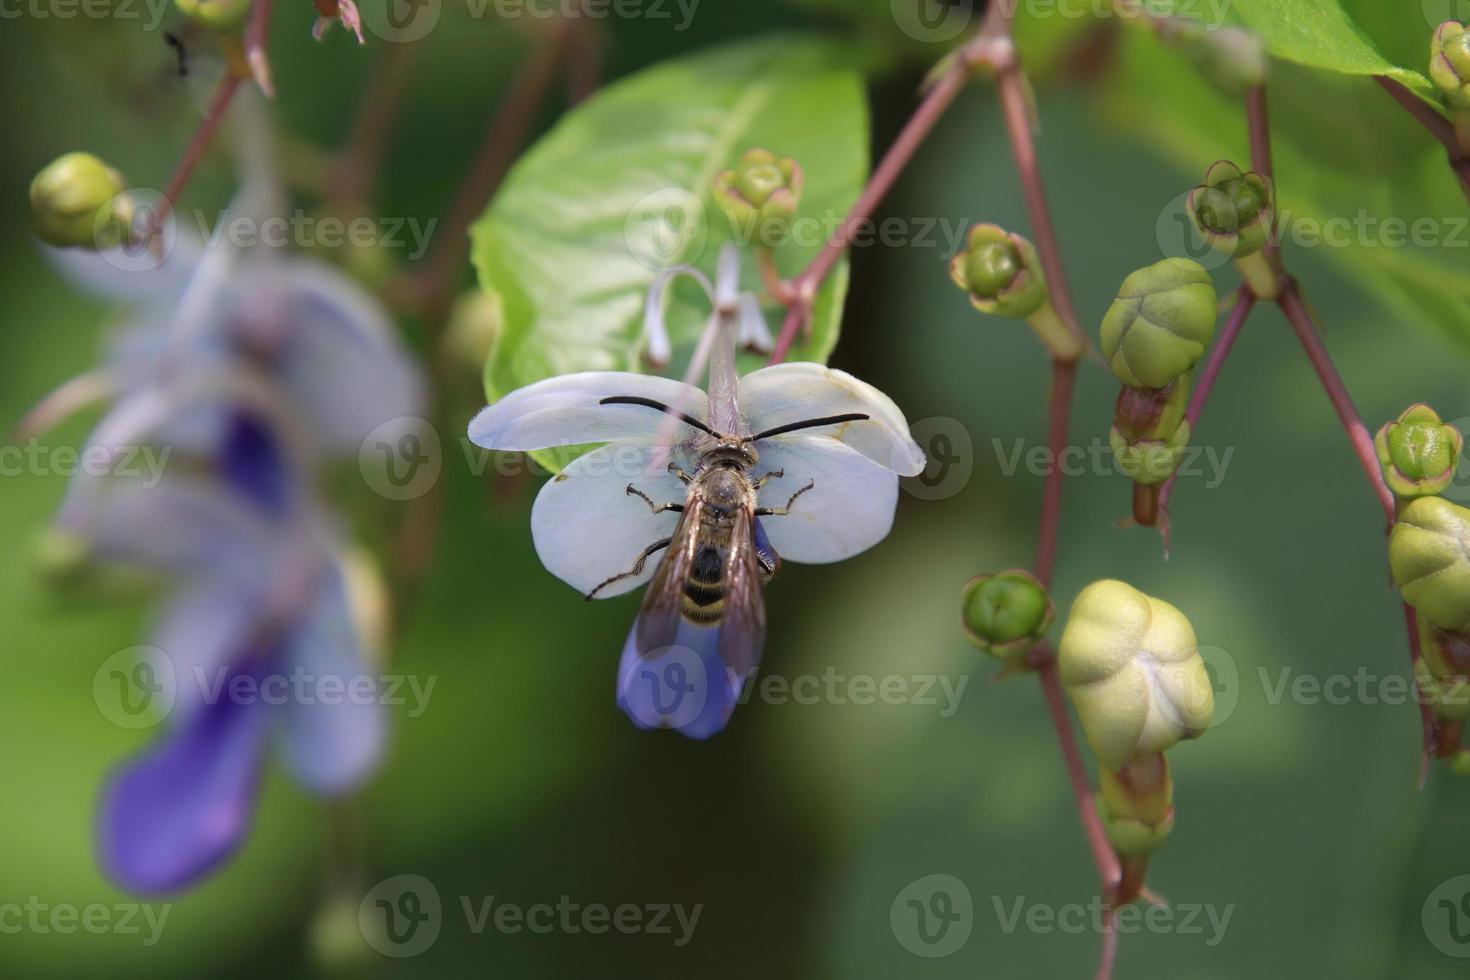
pixel 181 808
pixel 685 686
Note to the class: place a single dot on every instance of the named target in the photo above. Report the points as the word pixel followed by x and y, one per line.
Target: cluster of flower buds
pixel 1427 552
pixel 1006 614
pixel 1449 67
pixel 77 201
pixel 1152 337
pixel 1132 667
pixel 1235 214
pixel 1002 274
pixel 760 196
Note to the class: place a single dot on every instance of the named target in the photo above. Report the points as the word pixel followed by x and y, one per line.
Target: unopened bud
pixel 79 201
pixel 1449 63
pixel 1427 552
pixel 1001 272
pixel 1006 614
pixel 1159 325
pixel 760 195
pixel 1419 453
pixel 1233 211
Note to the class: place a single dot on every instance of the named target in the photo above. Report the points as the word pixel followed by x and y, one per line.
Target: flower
pixel 1007 613
pixel 1418 452
pixel 1232 211
pixel 1160 324
pixel 816 451
pixel 760 195
pixel 1001 272
pixel 1132 667
pixel 1449 63
pixel 1427 552
pixel 78 201
pixel 261 598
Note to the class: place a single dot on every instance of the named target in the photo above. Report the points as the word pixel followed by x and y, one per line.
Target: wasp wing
pixel 743 625
pixel 660 615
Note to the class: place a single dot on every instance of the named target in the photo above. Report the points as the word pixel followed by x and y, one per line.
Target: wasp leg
pixel 656 508
pixel 783 511
pixel 637 568
pixel 773 475
pixel 684 478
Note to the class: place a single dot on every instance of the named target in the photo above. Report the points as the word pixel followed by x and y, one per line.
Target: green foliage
pixel 622 189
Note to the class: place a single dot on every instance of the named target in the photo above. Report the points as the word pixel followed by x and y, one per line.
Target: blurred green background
pixel 797 828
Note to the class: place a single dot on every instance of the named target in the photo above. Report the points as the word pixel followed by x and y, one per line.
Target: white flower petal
pixel 566 411
pixel 755 332
pixel 794 392
pixel 848 509
pixel 588 527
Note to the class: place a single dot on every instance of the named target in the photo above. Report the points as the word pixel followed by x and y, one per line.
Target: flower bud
pixel 1233 58
pixel 1150 432
pixel 1418 452
pixel 1132 667
pixel 1137 814
pixel 1443 671
pixel 1427 552
pixel 1159 325
pixel 77 200
pixel 761 195
pixel 1007 613
pixel 1001 272
pixel 1232 211
pixel 217 15
pixel 1449 63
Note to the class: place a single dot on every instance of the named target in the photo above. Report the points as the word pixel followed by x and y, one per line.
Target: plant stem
pixel 1438 126
pixel 1208 375
pixel 194 152
pixel 257 34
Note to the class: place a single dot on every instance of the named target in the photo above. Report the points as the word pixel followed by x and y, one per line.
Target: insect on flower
pixel 702 494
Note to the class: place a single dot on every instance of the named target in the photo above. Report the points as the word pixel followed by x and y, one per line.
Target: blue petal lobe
pixel 684 686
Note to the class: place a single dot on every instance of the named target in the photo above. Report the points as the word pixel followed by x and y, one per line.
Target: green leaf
pixel 1320 34
pixel 620 190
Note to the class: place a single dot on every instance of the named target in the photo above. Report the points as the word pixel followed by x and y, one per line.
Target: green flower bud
pixel 761 195
pixel 79 201
pixel 1132 667
pixel 1001 272
pixel 1427 552
pixel 1449 63
pixel 1232 211
pixel 1137 814
pixel 217 15
pixel 1418 452
pixel 1159 325
pixel 1006 614
pixel 1443 671
pixel 1150 461
pixel 1150 433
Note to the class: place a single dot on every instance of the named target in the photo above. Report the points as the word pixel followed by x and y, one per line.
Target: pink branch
pixel 1438 126
pixel 194 152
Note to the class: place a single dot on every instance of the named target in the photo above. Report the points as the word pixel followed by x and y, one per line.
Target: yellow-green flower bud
pixel 1443 671
pixel 1007 613
pixel 79 201
pixel 1159 325
pixel 1132 667
pixel 1427 552
pixel 1150 461
pixel 1232 211
pixel 1418 452
pixel 217 15
pixel 1001 272
pixel 760 196
pixel 1449 63
pixel 1137 814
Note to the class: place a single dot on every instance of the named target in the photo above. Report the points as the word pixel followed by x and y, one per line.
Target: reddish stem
pixel 1063 374
pixel 1208 375
pixel 1342 401
pixel 194 152
pixel 256 37
pixel 1432 120
pixel 1097 838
